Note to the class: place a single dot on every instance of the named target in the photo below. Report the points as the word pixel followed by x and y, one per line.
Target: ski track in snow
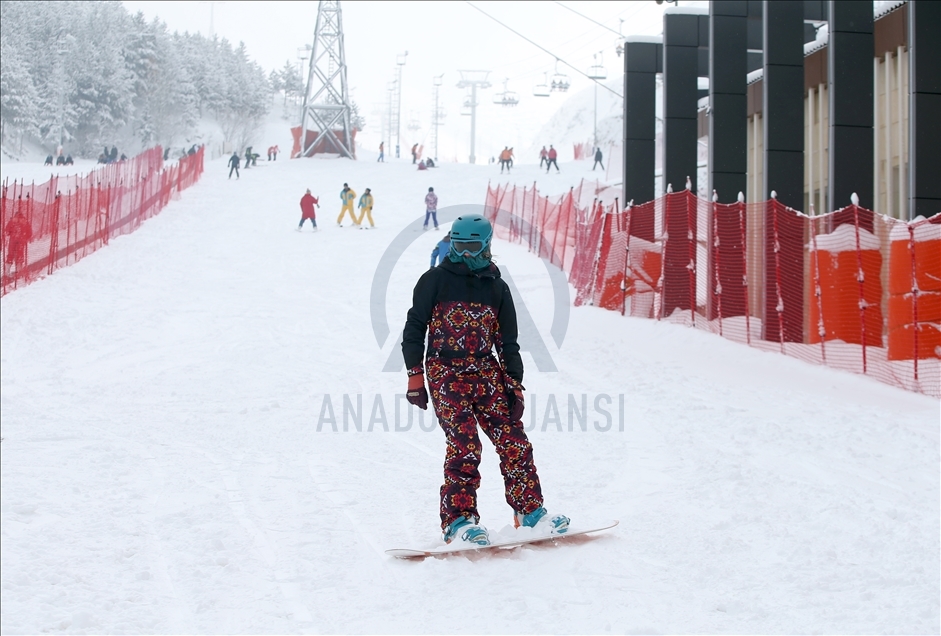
pixel 162 470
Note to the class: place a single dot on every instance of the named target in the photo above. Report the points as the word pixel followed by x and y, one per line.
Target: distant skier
pixel 48 161
pixel 415 153
pixel 543 157
pixel 467 311
pixel 597 159
pixel 347 196
pixel 365 205
pixel 421 165
pixel 510 159
pixel 505 159
pixel 431 208
pixel 234 161
pixel 382 152
pixel 553 155
pixel 309 205
pixel 274 154
pixel 441 250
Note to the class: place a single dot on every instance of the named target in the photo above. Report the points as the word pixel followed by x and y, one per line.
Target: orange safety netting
pixel 56 223
pixel 851 289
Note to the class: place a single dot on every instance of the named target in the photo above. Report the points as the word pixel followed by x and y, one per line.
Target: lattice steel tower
pixel 326 110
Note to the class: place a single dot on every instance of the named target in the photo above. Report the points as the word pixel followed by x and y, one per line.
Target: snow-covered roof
pixel 687 10
pixel 702 104
pixel 821 41
pixel 754 76
pixel 647 39
pixel 882 7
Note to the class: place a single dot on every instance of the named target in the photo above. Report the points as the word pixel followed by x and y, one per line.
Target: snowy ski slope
pixel 169 465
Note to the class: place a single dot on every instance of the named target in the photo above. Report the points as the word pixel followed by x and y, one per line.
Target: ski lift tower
pixel 326 109
pixel 437 116
pixel 596 73
pixel 473 80
pixel 396 124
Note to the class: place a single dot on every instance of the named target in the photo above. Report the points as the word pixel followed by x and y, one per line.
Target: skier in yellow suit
pixel 365 204
pixel 347 196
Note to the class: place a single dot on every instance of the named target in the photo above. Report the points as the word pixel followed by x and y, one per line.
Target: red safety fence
pixel 851 289
pixel 61 221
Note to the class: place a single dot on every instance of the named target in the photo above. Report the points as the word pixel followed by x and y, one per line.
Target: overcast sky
pixel 441 38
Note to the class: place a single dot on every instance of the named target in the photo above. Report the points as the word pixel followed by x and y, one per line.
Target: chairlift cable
pixel 589 19
pixel 556 57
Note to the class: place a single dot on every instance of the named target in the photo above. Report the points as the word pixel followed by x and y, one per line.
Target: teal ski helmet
pixel 471 235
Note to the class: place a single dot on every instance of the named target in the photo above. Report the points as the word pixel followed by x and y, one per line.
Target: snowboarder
pixel 431 208
pixel 421 165
pixel 48 161
pixel 347 196
pixel 543 157
pixel 597 159
pixel 382 152
pixel 365 206
pixel 234 165
pixel 468 311
pixel 553 155
pixel 309 205
pixel 441 250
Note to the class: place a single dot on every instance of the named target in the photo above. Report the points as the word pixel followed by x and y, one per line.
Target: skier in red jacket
pixel 17 232
pixel 553 154
pixel 309 203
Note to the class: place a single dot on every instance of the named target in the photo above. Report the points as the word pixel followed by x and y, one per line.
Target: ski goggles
pixel 468 247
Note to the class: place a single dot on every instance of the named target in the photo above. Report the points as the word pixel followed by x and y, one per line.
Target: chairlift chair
pixel 542 90
pixel 560 81
pixel 597 70
pixel 507 97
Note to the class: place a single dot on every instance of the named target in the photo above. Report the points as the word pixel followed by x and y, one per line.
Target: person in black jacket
pixel 234 162
pixel 468 312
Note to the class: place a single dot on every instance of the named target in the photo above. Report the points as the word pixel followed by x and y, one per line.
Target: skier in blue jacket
pixel 441 250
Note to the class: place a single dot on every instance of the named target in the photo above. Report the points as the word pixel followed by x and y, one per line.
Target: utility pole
pixel 596 73
pixel 473 79
pixel 396 123
pixel 437 116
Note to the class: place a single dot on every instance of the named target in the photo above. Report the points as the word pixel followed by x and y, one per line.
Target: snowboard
pixel 502 541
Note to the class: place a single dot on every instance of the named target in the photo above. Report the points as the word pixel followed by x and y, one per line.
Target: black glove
pixel 515 397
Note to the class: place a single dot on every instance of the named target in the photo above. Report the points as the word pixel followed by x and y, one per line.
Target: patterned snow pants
pixel 465 393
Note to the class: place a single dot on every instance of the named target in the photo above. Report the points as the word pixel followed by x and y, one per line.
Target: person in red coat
pixel 17 232
pixel 309 203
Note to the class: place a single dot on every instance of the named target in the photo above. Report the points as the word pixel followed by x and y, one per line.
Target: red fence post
pixel 860 279
pixel 818 292
pixel 915 290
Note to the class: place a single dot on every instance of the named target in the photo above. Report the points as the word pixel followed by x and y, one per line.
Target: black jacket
pixel 465 314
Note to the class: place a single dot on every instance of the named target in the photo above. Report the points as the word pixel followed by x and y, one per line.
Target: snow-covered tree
pixel 92 75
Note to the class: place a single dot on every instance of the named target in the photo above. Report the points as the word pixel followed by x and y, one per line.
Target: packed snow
pixel 169 463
